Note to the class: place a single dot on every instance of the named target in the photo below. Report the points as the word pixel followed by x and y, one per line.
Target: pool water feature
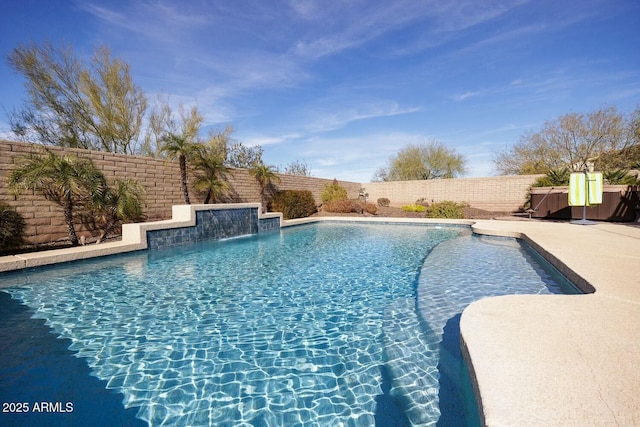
pixel 325 324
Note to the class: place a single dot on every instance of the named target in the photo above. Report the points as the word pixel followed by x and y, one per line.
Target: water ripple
pixel 240 333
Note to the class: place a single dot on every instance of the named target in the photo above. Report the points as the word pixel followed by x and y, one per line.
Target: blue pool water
pixel 326 324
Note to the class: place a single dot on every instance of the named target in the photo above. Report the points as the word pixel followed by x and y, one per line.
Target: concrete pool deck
pixel 564 359
pixel 536 360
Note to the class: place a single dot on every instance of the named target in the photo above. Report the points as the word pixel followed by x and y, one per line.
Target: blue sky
pixel 343 85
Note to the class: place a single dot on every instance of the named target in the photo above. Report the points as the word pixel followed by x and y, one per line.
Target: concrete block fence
pixel 496 193
pixel 159 177
pixel 161 180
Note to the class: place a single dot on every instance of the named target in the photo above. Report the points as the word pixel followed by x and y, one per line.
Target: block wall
pixel 159 177
pixel 498 193
pixel 161 180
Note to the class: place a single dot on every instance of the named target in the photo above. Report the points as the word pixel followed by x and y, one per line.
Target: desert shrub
pixel 370 208
pixel 362 207
pixel 422 201
pixel 340 206
pixel 294 203
pixel 333 191
pixel 12 226
pixel 384 202
pixel 414 208
pixel 446 209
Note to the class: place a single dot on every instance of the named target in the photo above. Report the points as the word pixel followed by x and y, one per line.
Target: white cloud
pixel 5 132
pixel 465 95
pixel 265 140
pixel 327 162
pixel 159 21
pixel 326 119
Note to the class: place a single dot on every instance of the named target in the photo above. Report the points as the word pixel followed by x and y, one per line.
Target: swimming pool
pixel 324 324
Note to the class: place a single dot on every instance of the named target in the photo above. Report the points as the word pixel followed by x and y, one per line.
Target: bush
pixel 340 206
pixel 414 208
pixel 333 191
pixel 294 203
pixel 371 208
pixel 422 202
pixel 12 226
pixel 362 207
pixel 446 209
pixel 383 202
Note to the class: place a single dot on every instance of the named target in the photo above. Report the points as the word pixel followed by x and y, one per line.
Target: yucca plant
pixel 620 177
pixel 554 178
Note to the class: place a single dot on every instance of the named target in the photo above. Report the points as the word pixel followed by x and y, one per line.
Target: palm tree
pixel 179 146
pixel 211 173
pixel 65 180
pixel 266 177
pixel 121 203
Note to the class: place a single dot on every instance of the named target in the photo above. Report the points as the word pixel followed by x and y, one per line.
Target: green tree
pixel 333 191
pixel 600 139
pixel 266 177
pixel 72 105
pixel 431 160
pixel 178 146
pixel 219 142
pixel 67 181
pixel 116 105
pixel 51 114
pixel 181 144
pixel 211 172
pixel 234 153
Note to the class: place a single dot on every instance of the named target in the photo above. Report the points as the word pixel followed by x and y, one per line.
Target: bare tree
pixel 243 156
pixel 575 141
pixel 298 167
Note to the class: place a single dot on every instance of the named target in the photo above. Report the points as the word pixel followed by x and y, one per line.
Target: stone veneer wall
pixel 160 178
pixel 497 193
